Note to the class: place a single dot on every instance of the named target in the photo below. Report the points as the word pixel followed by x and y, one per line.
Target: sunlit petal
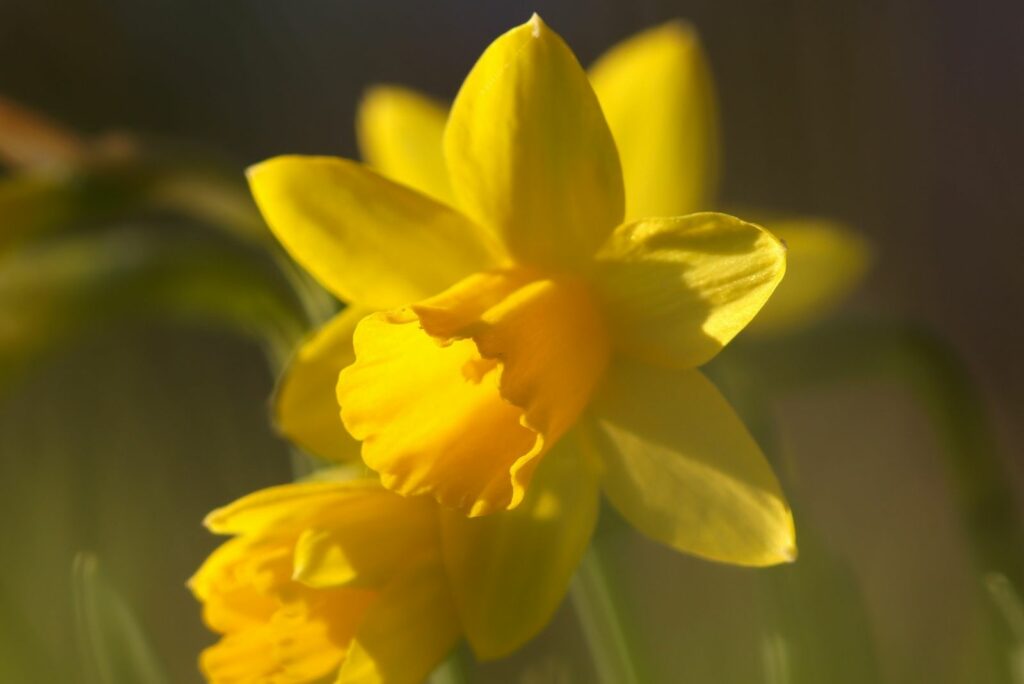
pixel 529 153
pixel 682 468
pixel 367 239
pixel 677 290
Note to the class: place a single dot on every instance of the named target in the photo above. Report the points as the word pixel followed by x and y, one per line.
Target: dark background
pixel 902 119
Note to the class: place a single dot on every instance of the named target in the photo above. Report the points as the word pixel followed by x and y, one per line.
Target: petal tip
pixel 212 521
pixel 252 170
pixel 536 25
pixel 789 553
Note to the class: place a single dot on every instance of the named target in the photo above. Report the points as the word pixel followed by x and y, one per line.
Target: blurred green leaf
pixel 113 646
pixel 22 657
pixel 53 289
pixel 822 632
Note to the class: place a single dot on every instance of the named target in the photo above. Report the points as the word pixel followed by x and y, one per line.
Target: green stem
pixel 932 370
pixel 451 671
pixel 593 599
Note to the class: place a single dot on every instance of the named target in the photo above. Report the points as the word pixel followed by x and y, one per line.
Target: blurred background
pixel 899 119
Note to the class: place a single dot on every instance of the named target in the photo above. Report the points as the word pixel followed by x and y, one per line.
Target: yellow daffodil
pixel 525 313
pixel 344 579
pixel 326 579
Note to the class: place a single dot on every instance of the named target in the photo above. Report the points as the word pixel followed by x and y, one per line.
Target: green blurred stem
pixel 453 670
pixel 593 597
pixel 934 372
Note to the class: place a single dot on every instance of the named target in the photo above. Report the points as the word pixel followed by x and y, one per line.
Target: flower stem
pixel 453 670
pixel 936 376
pixel 592 596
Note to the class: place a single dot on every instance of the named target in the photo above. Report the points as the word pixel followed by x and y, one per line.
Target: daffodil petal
pixel 365 238
pixel 305 406
pixel 529 153
pixel 406 632
pixel 826 261
pixel 677 290
pixel 658 97
pixel 380 532
pixel 400 134
pixel 509 571
pixel 288 508
pixel 682 468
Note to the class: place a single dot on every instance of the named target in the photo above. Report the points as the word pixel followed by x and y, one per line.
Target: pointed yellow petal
pixel 529 153
pixel 509 571
pixel 288 508
pixel 460 395
pixel 368 240
pixel 305 405
pixel 400 133
pixel 682 468
pixel 379 534
pixel 826 261
pixel 677 290
pixel 409 629
pixel 658 97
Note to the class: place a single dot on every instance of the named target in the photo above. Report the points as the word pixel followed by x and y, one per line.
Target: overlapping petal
pixel 529 153
pixel 682 468
pixel 380 533
pixel 305 408
pixel 677 290
pixel 510 571
pixel 461 394
pixel 400 133
pixel 406 632
pixel 365 238
pixel 658 97
pixel 289 508
pixel 827 260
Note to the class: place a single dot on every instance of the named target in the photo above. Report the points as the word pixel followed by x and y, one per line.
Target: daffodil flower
pixel 345 579
pixel 525 313
pixel 325 579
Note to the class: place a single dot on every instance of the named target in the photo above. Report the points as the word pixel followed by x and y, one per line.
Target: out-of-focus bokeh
pixel 900 119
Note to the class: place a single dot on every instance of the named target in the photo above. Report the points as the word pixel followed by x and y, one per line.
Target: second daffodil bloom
pixel 341 580
pixel 524 313
pixel 326 579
